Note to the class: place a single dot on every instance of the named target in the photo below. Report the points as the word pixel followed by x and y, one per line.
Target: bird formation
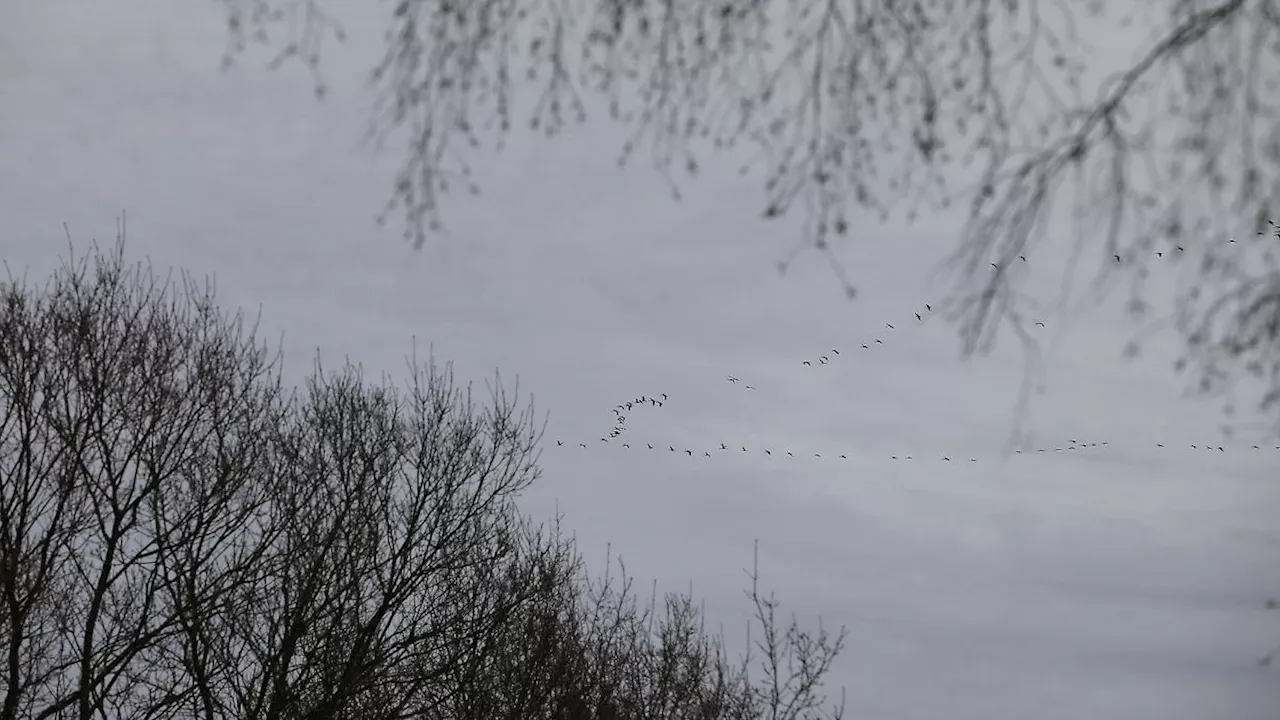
pixel 780 452
pixel 622 409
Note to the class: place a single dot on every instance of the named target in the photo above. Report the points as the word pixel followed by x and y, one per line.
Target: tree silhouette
pixel 852 108
pixel 180 537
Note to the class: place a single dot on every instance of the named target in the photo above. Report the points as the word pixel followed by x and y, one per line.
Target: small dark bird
pixel 1023 258
pixel 1159 445
pixel 893 457
pixel 823 359
pixel 844 457
pixel 561 442
pixel 768 452
pixel 707 454
pixel 926 307
pixel 864 347
pixel 582 445
pixel 671 448
pixel 995 266
pixel 628 406
pixel 888 326
pixel 878 340
pixel 944 457
pixel 650 447
pixel 750 387
pixel 733 379
pixel 918 317
pixel 789 454
pixel 664 396
pixel 817 455
pixel 1159 254
pixel 1039 324
pixel 806 362
pixel 722 446
pixel 835 351
pixel 690 452
pixel 744 448
pixel 1179 248
pixel 973 459
pixel 626 446
pixel 604 439
pixel 1117 257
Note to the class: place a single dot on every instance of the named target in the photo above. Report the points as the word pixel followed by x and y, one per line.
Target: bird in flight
pixel 690 452
pixel 559 443
pixel 888 326
pixel 750 387
pixel 722 446
pixel 806 362
pixel 733 379
pixel 918 317
pixel 927 307
pixel 582 445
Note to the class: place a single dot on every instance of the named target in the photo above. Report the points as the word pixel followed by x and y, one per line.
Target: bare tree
pixel 181 538
pixel 875 106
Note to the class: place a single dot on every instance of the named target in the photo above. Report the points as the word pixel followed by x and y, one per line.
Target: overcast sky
pixel 1122 580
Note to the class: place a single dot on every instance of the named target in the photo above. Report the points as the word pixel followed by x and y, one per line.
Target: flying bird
pixel 559 443
pixel 750 387
pixel 888 326
pixel 806 362
pixel 835 351
pixel 927 307
pixel 690 452
pixel 733 379
pixel 918 317
pixel 722 446
pixel 878 340
pixel 583 445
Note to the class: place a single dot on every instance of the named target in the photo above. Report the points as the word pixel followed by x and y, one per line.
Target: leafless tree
pixel 857 107
pixel 182 538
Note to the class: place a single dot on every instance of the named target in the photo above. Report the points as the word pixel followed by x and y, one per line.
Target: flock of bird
pixel 615 436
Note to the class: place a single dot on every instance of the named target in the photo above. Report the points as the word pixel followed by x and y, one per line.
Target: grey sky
pixel 1123 581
